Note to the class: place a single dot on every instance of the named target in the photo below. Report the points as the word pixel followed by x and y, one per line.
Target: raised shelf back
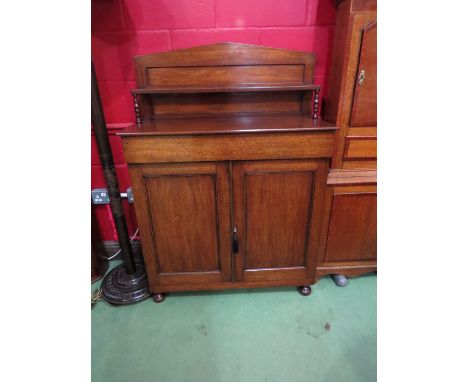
pixel 286 75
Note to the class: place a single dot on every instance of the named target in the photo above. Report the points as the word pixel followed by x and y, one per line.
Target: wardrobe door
pixel 183 212
pixel 277 213
pixel 364 109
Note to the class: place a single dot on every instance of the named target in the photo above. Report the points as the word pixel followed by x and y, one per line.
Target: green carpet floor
pixel 250 335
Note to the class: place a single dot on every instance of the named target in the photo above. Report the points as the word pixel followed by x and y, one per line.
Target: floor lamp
pixel 126 283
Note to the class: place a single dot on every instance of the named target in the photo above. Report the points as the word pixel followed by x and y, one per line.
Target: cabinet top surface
pixel 228 125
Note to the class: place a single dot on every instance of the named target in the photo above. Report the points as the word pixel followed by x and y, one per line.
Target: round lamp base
pixel 120 288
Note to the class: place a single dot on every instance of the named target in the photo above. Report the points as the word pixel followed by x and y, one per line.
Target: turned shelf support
pixel 136 106
pixel 316 103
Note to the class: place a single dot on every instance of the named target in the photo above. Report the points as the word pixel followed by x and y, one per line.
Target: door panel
pixel 173 199
pixel 188 212
pixel 364 109
pixel 268 247
pixel 277 213
pixel 352 230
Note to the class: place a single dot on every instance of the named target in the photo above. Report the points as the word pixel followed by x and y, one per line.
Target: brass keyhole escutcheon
pixel 235 242
pixel 362 76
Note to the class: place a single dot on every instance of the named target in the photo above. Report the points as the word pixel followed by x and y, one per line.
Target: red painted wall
pixel 121 29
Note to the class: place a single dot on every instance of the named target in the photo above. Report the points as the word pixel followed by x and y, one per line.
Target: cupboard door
pixel 184 217
pixel 277 210
pixel 364 109
pixel 352 225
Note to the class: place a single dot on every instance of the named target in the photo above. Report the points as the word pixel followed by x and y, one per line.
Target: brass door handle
pixel 361 77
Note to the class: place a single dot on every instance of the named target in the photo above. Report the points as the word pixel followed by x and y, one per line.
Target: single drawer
pixel 360 164
pixel 220 147
pixel 360 148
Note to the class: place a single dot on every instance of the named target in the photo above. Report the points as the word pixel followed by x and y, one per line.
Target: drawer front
pixel 223 147
pixel 360 164
pixel 360 148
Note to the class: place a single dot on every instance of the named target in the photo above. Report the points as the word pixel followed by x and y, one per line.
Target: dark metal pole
pixel 105 154
pixel 126 283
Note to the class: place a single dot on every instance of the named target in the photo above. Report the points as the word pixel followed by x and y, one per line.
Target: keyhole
pixel 362 76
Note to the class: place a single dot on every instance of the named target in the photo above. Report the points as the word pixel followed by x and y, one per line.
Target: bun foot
pixel 158 298
pixel 305 290
pixel 340 280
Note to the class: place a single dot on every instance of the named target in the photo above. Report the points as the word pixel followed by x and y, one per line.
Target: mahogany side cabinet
pixel 229 164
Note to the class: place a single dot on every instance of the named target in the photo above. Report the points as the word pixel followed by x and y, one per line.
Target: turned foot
pixel 340 280
pixel 158 297
pixel 305 290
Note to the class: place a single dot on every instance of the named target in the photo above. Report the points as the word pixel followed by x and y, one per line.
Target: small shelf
pixel 227 89
pixel 234 124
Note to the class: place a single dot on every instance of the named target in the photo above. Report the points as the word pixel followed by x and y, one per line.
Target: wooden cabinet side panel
pixel 144 225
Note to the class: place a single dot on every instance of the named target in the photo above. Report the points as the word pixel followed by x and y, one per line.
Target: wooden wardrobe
pixel 349 235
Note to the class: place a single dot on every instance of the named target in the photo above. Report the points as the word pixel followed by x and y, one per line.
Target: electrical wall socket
pixel 100 196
